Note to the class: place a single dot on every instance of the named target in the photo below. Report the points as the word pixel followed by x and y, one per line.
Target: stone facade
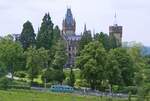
pixel 116 31
pixel 16 37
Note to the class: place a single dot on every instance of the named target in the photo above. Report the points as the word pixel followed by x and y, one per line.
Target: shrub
pixel 20 74
pixel 131 89
pixel 4 82
pixel 19 87
pixel 81 83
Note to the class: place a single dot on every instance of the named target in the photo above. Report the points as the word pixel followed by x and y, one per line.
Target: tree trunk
pixel 31 81
pixel 92 85
pixel 12 71
pixel 32 77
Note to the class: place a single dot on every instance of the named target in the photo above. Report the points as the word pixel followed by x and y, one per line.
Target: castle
pixel 69 35
pixel 72 40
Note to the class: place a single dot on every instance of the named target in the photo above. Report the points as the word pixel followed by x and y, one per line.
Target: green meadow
pixel 27 95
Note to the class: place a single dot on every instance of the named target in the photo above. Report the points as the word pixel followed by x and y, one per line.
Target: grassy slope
pixel 39 96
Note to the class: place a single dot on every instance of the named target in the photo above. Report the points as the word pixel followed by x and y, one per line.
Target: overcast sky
pixel 133 15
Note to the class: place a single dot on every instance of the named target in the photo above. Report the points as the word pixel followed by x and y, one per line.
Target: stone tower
pixel 69 23
pixel 116 31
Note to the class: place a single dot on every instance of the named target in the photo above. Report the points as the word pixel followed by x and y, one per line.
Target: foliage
pixel 71 79
pixel 59 76
pixel 57 35
pixel 20 74
pixel 144 85
pixel 81 83
pixel 27 37
pixel 109 42
pixel 4 83
pixel 36 60
pixel 45 34
pixel 120 67
pixel 60 56
pixel 92 63
pixel 113 42
pixel 53 75
pixel 85 39
pixel 10 54
pixel 139 63
pixel 104 39
pixel 47 75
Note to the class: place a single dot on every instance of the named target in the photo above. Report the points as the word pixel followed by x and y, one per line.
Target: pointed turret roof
pixel 115 20
pixel 85 28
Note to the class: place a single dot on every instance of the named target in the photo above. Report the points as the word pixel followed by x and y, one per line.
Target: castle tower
pixel 69 35
pixel 69 23
pixel 116 31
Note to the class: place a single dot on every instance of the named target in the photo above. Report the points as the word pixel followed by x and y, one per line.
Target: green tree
pixel 57 35
pixel 71 80
pixel 35 61
pixel 4 83
pixel 92 62
pixel 47 75
pixel 60 56
pixel 122 64
pixel 104 39
pixel 85 39
pixel 144 83
pixel 53 76
pixel 113 42
pixel 27 37
pixel 139 62
pixel 59 76
pixel 45 34
pixel 114 75
pixel 10 54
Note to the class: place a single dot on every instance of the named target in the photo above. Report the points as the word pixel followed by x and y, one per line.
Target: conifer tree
pixel 85 39
pixel 45 34
pixel 104 39
pixel 27 37
pixel 60 56
pixel 56 32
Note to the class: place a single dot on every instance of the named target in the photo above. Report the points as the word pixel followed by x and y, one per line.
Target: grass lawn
pixel 27 95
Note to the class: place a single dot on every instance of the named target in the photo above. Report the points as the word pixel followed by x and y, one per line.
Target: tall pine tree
pixel 85 39
pixel 60 56
pixel 56 34
pixel 27 37
pixel 45 34
pixel 104 39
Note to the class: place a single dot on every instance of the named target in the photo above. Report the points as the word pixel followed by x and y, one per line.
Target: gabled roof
pixel 73 37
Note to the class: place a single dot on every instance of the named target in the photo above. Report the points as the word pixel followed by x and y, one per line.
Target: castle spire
pixel 85 28
pixel 115 20
pixel 69 24
pixel 93 31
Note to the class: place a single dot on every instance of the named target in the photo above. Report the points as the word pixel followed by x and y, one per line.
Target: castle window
pixel 69 48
